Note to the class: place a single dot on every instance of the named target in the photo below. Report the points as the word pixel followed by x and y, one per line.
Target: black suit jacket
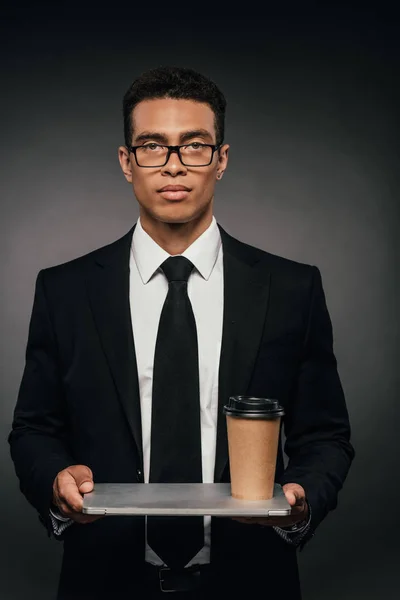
pixel 79 404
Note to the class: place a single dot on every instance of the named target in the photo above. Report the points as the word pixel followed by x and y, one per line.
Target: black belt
pixel 178 580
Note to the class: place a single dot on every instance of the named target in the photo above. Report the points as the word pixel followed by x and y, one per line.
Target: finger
pixel 251 521
pixel 58 495
pixel 83 519
pixel 69 494
pixel 86 487
pixel 297 509
pixel 291 497
pixel 78 517
pixel 64 509
pixel 285 521
pixel 295 496
pixel 243 519
pixel 83 477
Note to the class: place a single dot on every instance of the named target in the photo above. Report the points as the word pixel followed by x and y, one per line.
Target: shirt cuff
pixel 295 533
pixel 59 522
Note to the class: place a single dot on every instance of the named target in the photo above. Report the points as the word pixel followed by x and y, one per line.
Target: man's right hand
pixel 68 489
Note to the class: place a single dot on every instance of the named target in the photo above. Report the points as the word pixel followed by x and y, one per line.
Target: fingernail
pixel 86 487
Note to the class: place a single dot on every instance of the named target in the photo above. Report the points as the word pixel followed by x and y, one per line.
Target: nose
pixel 174 166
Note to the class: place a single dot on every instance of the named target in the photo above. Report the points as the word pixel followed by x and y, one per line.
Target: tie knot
pixel 177 268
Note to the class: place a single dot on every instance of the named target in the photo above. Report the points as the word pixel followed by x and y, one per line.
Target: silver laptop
pixel 179 499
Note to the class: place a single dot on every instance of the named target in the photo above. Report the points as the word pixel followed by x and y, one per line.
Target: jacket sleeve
pixel 316 424
pixel 38 442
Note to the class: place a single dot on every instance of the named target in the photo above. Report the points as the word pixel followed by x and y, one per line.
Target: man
pixel 176 314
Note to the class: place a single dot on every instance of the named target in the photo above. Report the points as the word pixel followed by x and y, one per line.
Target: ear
pixel 223 157
pixel 222 160
pixel 125 162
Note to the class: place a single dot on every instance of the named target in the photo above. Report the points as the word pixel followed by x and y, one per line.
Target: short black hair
pixel 174 82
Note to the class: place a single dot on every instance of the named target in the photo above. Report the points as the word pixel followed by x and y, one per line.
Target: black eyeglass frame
pixel 176 149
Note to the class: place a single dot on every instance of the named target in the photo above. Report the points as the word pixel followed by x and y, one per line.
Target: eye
pixel 195 146
pixel 151 146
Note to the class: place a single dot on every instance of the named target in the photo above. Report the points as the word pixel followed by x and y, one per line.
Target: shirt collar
pixel 149 256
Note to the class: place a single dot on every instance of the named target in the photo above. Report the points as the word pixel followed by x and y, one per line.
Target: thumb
pixel 86 487
pixel 291 497
pixel 83 478
pixel 294 494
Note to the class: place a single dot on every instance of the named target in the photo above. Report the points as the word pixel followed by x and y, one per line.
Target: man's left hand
pixel 296 497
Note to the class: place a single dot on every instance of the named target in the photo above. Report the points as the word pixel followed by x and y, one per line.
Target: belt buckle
pixel 183 580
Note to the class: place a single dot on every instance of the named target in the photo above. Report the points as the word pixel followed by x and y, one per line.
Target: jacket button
pixel 138 474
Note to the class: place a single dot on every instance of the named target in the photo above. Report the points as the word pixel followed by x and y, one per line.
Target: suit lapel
pixel 108 288
pixel 246 294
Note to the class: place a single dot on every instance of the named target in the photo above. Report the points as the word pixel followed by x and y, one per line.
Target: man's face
pixel 173 122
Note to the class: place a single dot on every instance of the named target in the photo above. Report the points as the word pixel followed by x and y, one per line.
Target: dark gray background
pixel 312 123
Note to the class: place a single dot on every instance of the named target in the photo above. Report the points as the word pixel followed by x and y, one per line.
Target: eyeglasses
pixel 190 155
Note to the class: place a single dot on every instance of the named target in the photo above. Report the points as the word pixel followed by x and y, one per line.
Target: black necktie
pixel 175 455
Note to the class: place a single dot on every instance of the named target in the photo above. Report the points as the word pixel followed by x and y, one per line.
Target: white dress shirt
pixel 148 290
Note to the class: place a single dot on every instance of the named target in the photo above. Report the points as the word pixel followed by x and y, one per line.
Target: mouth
pixel 174 192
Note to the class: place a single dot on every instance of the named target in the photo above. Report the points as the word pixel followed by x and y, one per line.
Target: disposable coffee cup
pixel 253 426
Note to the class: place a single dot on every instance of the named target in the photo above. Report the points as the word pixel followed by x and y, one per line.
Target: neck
pixel 175 238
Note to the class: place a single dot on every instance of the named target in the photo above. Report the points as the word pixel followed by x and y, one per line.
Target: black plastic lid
pixel 249 407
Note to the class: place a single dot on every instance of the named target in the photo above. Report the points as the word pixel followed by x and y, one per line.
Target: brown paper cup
pixel 253 437
pixel 253 446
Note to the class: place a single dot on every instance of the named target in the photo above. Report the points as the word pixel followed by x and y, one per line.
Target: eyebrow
pixel 160 137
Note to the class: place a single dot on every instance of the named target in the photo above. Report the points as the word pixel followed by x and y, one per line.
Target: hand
pixel 296 497
pixel 68 489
